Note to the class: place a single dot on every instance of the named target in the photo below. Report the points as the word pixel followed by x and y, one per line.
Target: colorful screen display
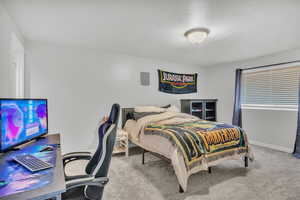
pixel 22 120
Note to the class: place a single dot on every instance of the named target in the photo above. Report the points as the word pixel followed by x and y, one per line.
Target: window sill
pixel 269 108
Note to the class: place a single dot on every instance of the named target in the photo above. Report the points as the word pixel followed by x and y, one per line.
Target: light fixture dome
pixel 196 35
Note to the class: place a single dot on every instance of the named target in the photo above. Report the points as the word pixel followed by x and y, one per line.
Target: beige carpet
pixel 272 176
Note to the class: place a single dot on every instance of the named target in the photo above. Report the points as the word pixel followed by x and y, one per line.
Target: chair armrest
pixel 87 180
pixel 77 154
pixel 76 177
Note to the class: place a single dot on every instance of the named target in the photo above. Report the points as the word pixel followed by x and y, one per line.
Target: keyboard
pixel 32 163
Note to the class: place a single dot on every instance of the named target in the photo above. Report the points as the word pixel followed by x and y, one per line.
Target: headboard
pixel 127 113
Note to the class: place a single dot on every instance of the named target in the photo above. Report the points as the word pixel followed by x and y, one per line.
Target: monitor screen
pixel 22 120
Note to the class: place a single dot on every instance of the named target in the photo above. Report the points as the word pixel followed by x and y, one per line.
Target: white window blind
pixel 274 87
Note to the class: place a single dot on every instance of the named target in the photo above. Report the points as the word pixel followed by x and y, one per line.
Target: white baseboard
pixel 272 146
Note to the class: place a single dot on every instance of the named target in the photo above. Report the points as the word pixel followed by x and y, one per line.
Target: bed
pixel 189 143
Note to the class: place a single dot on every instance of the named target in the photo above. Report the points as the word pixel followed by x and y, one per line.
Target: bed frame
pixel 127 113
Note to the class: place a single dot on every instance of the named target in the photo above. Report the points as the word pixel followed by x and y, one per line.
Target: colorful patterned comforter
pixel 197 144
pixel 202 139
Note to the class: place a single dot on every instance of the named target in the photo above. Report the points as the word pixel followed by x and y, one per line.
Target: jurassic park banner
pixel 175 83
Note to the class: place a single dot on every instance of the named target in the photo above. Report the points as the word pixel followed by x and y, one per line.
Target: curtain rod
pixel 263 66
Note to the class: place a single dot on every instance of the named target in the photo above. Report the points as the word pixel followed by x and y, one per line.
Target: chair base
pixel 93 192
pixel 74 194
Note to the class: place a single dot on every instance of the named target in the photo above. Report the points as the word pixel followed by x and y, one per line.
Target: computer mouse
pixel 3 183
pixel 47 148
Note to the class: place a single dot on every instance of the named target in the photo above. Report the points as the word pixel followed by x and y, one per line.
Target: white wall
pixel 81 85
pixel 7 72
pixel 276 129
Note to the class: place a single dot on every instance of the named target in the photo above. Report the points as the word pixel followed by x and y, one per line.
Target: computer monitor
pixel 22 120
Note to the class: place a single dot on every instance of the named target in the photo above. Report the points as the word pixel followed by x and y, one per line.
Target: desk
pixel 55 187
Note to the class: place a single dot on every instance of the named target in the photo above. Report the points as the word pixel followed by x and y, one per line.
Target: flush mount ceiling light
pixel 196 35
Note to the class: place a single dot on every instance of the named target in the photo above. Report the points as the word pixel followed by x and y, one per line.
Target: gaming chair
pixel 94 174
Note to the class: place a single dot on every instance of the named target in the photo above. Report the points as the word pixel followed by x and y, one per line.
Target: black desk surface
pixel 55 186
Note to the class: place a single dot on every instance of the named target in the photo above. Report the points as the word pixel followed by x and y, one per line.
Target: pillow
pixel 166 106
pixel 139 115
pixel 149 109
pixel 173 108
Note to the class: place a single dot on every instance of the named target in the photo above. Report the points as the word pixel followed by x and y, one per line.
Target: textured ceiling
pixel 240 29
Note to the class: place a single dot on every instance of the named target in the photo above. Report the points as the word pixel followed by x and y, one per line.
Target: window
pixel 271 88
pixel 17 51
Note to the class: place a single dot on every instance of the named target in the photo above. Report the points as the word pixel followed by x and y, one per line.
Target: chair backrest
pixel 100 162
pixel 107 132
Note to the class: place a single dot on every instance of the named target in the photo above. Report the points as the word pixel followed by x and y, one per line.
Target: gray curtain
pixel 297 143
pixel 237 110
